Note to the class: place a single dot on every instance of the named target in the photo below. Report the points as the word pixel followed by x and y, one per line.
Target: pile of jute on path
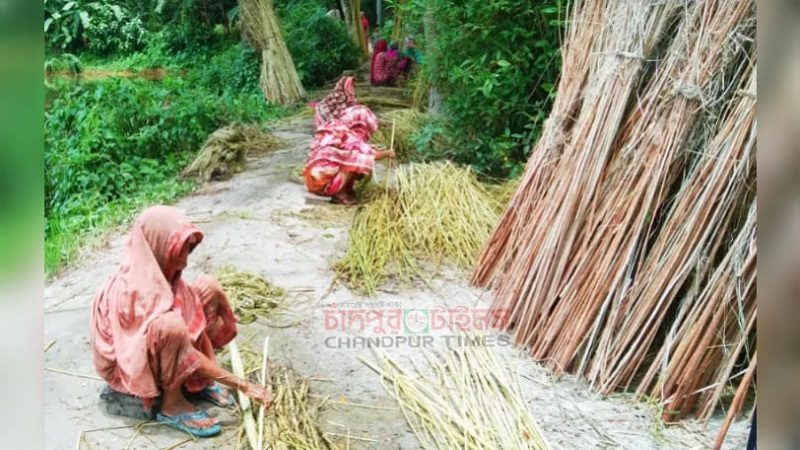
pixel 627 253
pixel 223 153
pixel 279 80
pixel 438 212
pixel 251 296
pixel 470 400
pixel 292 422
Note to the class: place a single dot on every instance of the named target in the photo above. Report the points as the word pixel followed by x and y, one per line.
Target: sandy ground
pixel 262 221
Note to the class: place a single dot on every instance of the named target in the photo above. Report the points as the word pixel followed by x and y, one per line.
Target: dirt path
pixel 260 221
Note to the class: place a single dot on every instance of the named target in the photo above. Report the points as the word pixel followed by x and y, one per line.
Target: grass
pixel 68 235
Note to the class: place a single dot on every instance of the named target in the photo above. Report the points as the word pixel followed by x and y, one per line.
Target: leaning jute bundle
pixel 632 195
pixel 468 399
pixel 279 80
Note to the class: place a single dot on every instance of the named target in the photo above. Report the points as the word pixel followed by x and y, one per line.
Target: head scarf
pixel 341 97
pixel 380 46
pixel 147 284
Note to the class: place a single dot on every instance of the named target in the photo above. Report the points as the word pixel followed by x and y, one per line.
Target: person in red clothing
pixel 385 69
pixel 380 48
pixel 153 334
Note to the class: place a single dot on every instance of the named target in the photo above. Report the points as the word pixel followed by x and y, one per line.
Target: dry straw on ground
pixel 468 399
pixel 253 297
pixel 224 152
pixel 438 213
pixel 292 420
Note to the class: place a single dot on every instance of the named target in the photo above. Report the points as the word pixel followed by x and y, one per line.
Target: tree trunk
pixel 359 35
pixel 348 17
pixel 429 29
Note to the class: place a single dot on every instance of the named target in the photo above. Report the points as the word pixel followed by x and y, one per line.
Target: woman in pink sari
pixel 340 155
pixel 154 335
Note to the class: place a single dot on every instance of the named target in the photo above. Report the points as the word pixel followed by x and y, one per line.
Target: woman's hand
pixel 382 153
pixel 258 394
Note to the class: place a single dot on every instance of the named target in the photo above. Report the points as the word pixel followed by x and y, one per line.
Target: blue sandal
pixel 216 395
pixel 179 422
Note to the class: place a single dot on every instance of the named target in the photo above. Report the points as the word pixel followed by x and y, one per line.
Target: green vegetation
pixel 115 145
pixel 320 56
pixel 496 64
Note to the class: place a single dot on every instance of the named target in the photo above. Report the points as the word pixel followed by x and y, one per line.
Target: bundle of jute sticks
pixel 279 80
pixel 467 398
pixel 627 253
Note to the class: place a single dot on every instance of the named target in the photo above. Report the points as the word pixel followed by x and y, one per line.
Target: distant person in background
pixel 386 67
pixel 409 57
pixel 411 51
pixel 380 47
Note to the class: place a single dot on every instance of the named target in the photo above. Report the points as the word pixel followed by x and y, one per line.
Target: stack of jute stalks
pixel 292 420
pixel 630 226
pixel 468 400
pixel 279 80
pixel 438 212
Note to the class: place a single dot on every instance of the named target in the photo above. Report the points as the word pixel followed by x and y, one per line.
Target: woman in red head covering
pixel 380 48
pixel 154 335
pixel 331 106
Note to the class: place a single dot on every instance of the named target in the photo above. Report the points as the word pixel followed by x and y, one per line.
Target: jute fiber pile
pixel 439 212
pixel 627 253
pixel 223 153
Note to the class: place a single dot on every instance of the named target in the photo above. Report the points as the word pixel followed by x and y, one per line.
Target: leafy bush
pixel 101 27
pixel 234 69
pixel 495 64
pixel 114 145
pixel 320 46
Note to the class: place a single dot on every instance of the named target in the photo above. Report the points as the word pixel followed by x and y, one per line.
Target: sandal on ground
pixel 216 395
pixel 182 422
